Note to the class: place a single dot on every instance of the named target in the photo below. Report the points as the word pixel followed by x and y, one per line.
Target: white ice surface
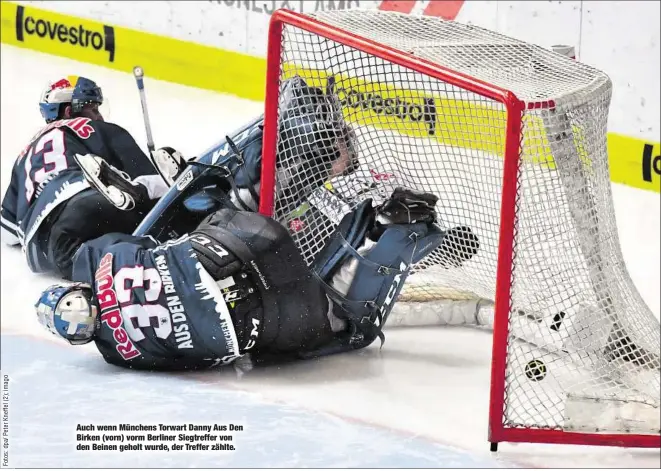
pixel 421 401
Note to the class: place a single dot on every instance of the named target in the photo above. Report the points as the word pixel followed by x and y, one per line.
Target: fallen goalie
pixel 238 285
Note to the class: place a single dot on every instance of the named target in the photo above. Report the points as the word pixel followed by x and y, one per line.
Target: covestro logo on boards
pixel 634 162
pixel 64 31
pixel 651 163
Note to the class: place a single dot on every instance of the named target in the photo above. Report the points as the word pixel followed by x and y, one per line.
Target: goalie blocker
pixel 238 285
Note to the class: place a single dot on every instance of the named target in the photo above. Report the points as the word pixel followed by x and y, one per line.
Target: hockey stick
pixel 139 75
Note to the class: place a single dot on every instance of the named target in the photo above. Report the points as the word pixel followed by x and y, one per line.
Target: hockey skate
pixel 112 183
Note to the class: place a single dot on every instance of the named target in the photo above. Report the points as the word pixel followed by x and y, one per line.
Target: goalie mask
pixel 366 261
pixel 68 311
pixel 315 143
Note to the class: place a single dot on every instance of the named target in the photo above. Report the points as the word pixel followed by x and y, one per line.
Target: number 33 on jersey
pixel 151 309
pixel 136 301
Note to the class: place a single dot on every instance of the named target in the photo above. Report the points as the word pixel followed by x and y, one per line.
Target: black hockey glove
pixel 404 207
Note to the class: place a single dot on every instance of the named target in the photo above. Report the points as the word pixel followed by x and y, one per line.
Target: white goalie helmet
pixel 68 311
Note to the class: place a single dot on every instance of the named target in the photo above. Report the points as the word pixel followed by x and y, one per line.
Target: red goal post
pixel 514 107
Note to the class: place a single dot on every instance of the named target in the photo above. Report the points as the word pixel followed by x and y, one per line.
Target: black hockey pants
pixel 84 217
pixel 289 303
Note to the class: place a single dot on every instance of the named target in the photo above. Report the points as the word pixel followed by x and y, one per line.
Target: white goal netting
pixel 582 348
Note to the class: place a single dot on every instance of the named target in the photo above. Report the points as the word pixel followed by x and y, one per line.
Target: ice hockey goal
pixel 512 139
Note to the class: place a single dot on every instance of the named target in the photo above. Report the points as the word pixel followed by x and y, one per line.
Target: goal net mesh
pixel 581 340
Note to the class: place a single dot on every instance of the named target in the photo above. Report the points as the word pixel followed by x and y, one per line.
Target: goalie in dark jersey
pixel 314 144
pixel 50 207
pixel 238 285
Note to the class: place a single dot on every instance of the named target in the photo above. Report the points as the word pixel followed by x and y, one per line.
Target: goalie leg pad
pixel 377 273
pixel 350 233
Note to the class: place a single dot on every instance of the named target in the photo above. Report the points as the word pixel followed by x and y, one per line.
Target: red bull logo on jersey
pixel 109 307
pixel 296 225
pixel 81 126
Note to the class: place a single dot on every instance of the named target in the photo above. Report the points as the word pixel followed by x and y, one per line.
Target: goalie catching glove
pixel 169 163
pixel 405 207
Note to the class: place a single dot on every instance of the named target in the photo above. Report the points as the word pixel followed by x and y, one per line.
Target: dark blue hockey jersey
pixel 46 174
pixel 158 307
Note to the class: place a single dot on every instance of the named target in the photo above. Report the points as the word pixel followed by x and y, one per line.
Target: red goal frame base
pixel 559 437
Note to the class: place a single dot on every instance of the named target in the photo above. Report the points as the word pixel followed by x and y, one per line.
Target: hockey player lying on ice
pixel 238 285
pixel 49 208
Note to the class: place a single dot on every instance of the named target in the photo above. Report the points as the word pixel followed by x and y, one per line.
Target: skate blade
pixel 91 168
